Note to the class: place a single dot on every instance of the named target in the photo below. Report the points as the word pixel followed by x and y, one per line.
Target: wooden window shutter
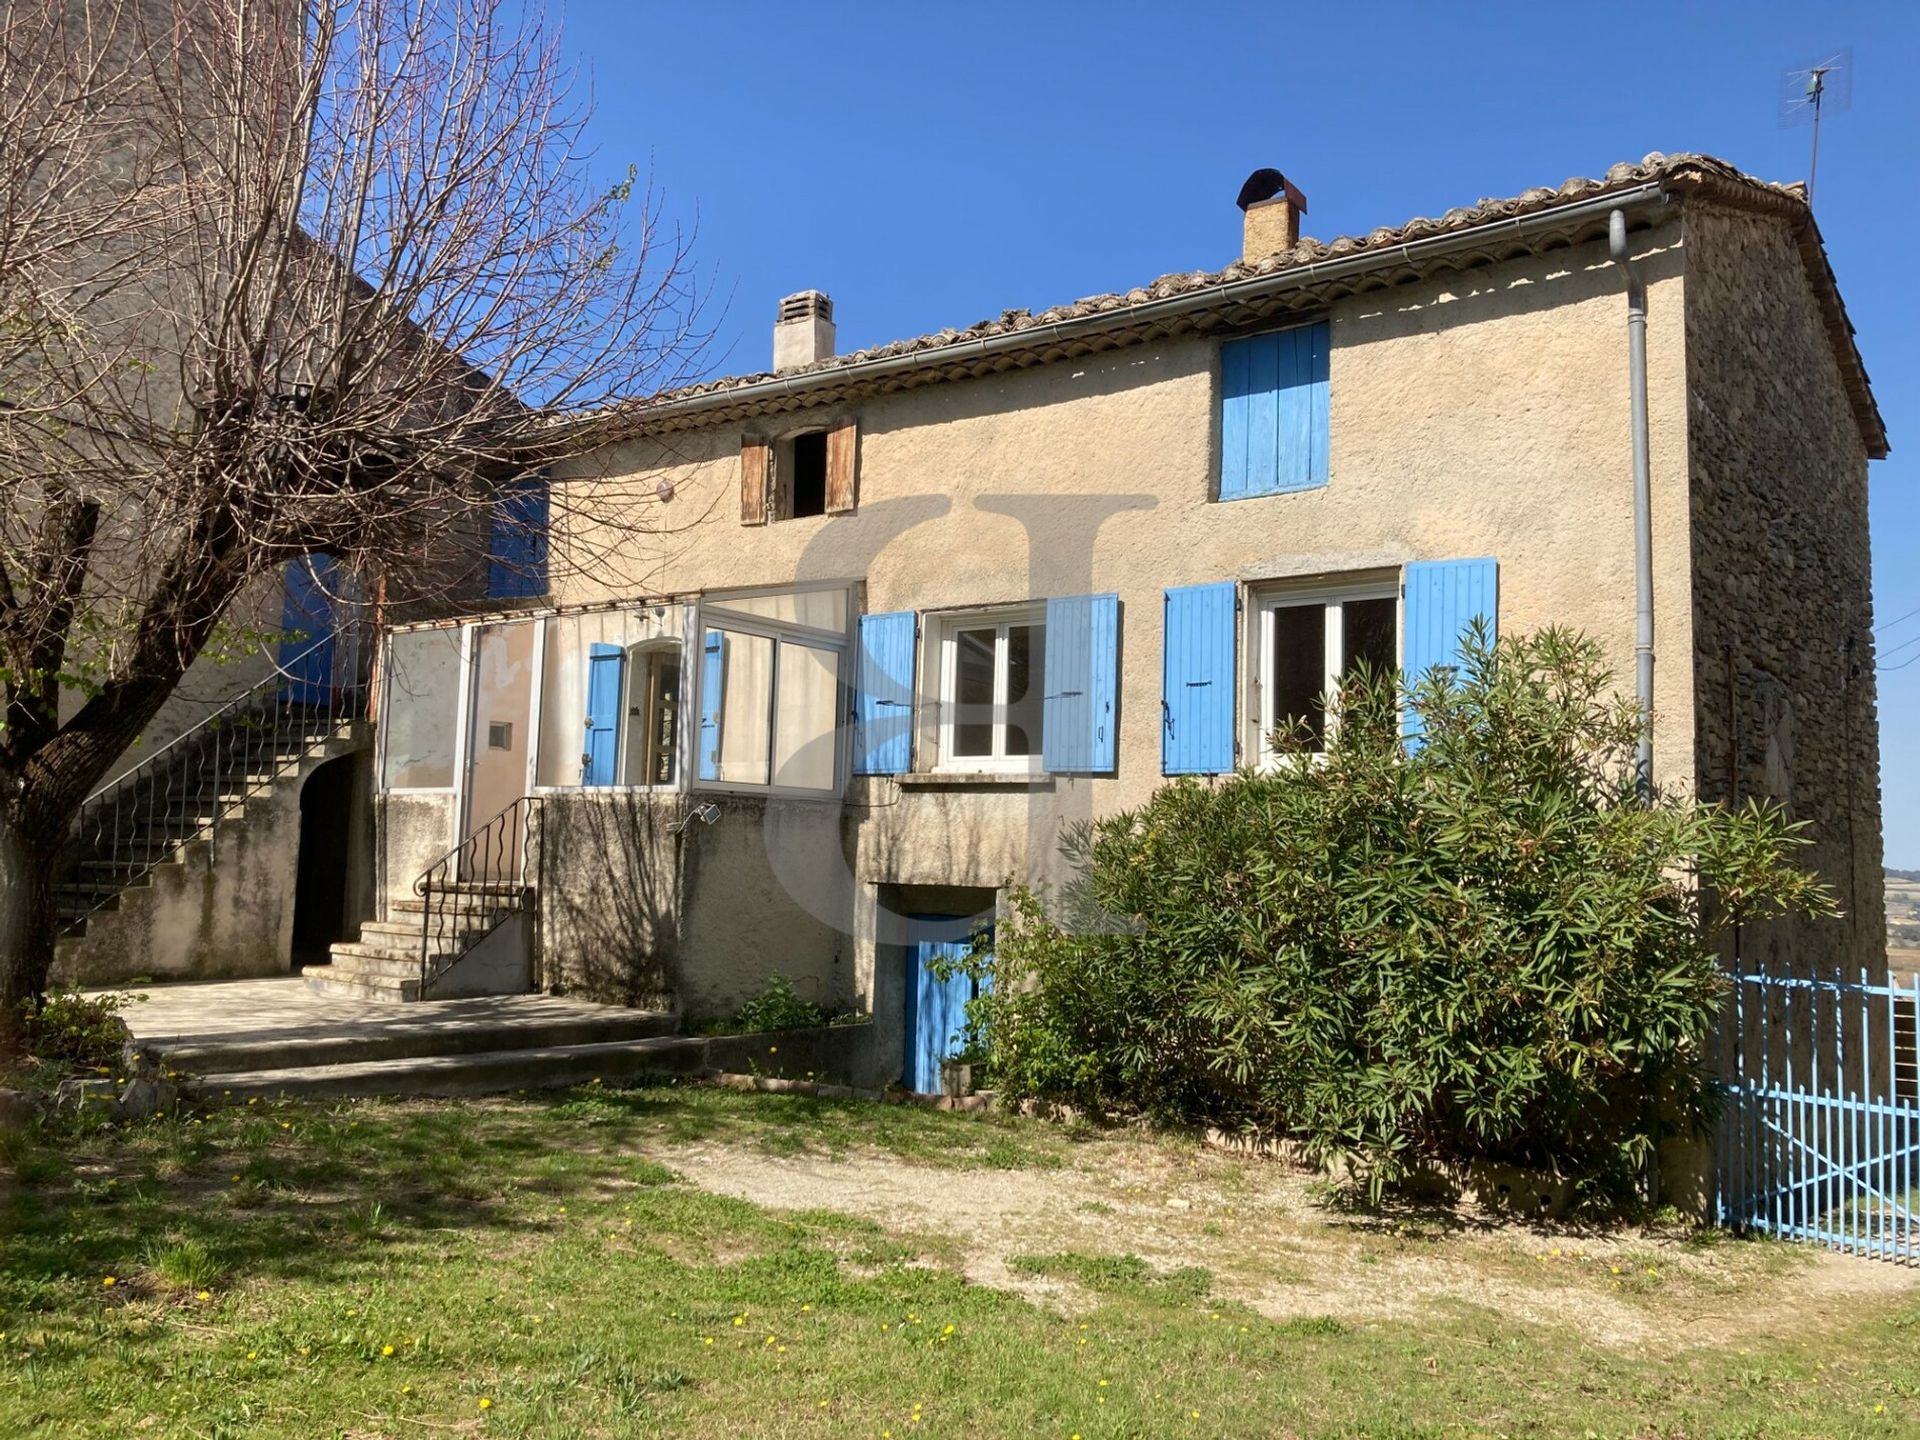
pixel 843 440
pixel 754 455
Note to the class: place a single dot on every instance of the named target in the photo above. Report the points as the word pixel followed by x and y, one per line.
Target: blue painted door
pixel 936 1009
pixel 307 617
pixel 605 664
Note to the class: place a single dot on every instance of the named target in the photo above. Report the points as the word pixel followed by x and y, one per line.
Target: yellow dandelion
pixel 739 1319
pixel 406 1389
pixel 825 1403
pixel 1103 1399
pixel 255 1100
pixel 806 1309
pixel 306 1349
pixel 708 1339
pixel 386 1349
pixel 236 1179
pixel 1103 1384
pixel 779 1349
pixel 539 1319
pixel 947 1331
pixel 485 1403
pixel 253 1355
pixel 109 1280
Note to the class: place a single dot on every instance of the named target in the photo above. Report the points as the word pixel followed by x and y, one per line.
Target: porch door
pixel 496 776
pixel 936 1009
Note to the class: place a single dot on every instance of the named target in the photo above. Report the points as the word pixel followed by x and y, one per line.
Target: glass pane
pixel 820 609
pixel 653 716
pixel 1299 667
pixel 422 707
pixel 973 693
pixel 563 692
pixel 735 707
pixel 1026 694
pixel 1368 632
pixel 805 737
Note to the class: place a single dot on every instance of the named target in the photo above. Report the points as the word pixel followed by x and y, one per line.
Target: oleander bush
pixel 1474 943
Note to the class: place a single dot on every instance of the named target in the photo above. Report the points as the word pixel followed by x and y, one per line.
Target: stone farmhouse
pixel 876 627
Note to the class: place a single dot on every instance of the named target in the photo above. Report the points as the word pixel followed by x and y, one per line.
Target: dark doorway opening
pixel 323 883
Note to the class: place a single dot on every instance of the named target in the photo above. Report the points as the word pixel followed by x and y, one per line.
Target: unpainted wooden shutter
pixel 1197 680
pixel 1083 646
pixel 843 443
pixel 754 457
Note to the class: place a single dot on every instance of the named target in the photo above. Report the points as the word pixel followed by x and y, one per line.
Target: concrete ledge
pixel 827 1054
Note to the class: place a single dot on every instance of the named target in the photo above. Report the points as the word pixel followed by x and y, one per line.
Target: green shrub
pixel 77 1028
pixel 776 1007
pixel 1481 945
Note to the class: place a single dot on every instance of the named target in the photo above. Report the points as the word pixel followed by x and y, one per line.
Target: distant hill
pixel 1912 875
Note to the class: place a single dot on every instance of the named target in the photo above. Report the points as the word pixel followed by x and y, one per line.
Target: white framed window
pixel 1307 640
pixel 993 666
pixel 772 703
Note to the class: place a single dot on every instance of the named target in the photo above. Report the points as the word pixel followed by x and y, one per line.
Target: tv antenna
pixel 1806 94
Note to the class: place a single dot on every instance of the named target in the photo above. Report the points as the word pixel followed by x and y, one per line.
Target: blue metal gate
pixel 1820 1135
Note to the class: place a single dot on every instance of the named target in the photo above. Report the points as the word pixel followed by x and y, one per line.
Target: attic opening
pixel 802 464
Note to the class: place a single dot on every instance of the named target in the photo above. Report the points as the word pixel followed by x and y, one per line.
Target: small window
pixel 992 691
pixel 1309 642
pixel 805 478
pixel 770 711
pixel 500 735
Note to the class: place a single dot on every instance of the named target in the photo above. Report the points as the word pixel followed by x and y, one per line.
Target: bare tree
pixel 277 277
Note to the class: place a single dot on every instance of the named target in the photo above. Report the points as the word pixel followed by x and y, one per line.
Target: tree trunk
pixel 29 922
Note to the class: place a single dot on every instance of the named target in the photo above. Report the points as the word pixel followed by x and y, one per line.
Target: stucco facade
pixel 1479 409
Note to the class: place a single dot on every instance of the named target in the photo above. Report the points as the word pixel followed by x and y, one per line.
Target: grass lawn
pixel 562 1266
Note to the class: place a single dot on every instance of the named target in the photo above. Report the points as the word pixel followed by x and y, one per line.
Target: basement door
pixel 497 750
pixel 936 1008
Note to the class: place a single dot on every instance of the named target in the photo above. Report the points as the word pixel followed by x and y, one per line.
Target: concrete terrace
pixel 242 1038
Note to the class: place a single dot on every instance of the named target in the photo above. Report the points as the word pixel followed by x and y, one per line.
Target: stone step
pixel 361 960
pixel 406 933
pixel 342 985
pixel 429 1028
pixel 475 1073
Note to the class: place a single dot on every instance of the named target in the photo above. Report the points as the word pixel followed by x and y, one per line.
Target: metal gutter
pixel 1206 297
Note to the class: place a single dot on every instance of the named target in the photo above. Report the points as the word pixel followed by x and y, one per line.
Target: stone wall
pixel 1784 701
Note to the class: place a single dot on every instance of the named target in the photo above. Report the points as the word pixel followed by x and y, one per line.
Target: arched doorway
pixel 329 891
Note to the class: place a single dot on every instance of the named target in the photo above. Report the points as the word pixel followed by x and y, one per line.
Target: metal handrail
pixel 458 911
pixel 188 787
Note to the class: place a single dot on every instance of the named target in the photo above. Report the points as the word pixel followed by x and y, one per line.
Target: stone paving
pixel 282 1010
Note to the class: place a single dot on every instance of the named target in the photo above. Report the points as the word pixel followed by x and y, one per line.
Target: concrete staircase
pixel 474 943
pixel 152 848
pixel 461 1047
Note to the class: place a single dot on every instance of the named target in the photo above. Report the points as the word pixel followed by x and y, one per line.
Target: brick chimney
pixel 804 331
pixel 1271 206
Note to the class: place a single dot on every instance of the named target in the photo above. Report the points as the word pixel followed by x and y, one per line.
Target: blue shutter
pixel 517 547
pixel 1443 597
pixel 606 666
pixel 312 582
pixel 883 695
pixel 713 668
pixel 1083 644
pixel 1273 412
pixel 1197 680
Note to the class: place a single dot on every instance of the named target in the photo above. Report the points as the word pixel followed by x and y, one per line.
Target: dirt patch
pixel 1273 1245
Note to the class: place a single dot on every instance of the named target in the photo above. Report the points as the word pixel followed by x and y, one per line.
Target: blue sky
pixel 934 164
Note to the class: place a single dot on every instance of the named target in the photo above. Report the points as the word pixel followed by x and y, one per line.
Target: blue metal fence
pixel 1820 1134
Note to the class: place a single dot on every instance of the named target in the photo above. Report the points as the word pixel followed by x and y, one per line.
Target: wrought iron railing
pixel 198 782
pixel 475 888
